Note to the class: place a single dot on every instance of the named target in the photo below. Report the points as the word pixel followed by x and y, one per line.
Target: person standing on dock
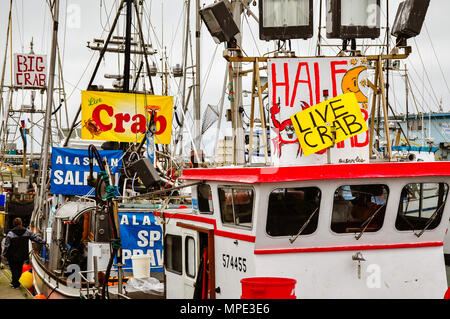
pixel 16 249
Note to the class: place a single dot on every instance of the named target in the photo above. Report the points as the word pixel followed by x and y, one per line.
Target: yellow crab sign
pixel 124 117
pixel 329 122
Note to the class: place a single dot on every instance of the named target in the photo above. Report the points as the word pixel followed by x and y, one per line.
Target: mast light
pixel 409 19
pixel 219 21
pixel 285 19
pixel 352 19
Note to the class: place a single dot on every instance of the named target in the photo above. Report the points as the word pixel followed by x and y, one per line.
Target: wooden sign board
pixel 297 84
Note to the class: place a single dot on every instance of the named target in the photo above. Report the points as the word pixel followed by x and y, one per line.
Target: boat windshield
pixel 293 211
pixel 421 206
pixel 204 196
pixel 236 206
pixel 359 208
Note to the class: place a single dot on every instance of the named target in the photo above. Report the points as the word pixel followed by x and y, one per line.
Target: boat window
pixel 236 206
pixel 421 206
pixel 173 254
pixel 293 209
pixel 204 196
pixel 190 256
pixel 359 208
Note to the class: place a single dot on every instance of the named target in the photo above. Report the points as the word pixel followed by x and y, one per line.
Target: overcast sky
pixel 83 20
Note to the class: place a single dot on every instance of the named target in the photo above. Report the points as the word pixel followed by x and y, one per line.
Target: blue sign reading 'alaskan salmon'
pixel 70 170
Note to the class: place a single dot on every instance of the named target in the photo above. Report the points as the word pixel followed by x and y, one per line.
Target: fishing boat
pixel 342 221
pixel 338 231
pixel 344 225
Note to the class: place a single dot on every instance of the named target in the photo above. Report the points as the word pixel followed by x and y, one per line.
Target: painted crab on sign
pixel 285 130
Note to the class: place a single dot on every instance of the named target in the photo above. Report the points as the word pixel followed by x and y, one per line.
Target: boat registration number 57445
pixel 236 263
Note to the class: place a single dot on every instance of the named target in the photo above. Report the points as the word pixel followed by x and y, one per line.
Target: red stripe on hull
pixel 210 221
pixel 345 248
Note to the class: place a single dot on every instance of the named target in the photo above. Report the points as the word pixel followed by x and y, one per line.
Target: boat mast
pixel 4 128
pixel 388 37
pixel 44 178
pixel 126 67
pixel 406 102
pixel 197 140
pixel 236 79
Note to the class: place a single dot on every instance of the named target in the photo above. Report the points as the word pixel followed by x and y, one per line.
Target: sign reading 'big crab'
pixel 295 84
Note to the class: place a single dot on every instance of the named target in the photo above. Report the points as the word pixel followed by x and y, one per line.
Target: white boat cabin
pixel 341 231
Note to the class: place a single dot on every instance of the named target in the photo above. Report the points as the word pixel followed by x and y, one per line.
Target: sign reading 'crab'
pixel 296 84
pixel 124 117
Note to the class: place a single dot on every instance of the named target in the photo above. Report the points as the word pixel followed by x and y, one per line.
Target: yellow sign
pixel 328 122
pixel 123 117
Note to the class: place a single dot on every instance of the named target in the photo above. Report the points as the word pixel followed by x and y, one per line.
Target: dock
pixel 6 292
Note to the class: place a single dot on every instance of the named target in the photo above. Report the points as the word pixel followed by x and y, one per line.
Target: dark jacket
pixel 16 243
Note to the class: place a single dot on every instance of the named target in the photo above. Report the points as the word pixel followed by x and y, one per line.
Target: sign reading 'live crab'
pixel 328 122
pixel 296 84
pixel 124 117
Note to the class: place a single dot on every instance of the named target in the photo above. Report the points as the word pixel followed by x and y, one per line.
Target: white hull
pixel 46 284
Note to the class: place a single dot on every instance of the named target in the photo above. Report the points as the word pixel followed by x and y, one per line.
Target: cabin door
pixel 189 261
pixel 181 260
pixel 191 258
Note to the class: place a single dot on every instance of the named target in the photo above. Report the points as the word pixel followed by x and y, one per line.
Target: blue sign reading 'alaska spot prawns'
pixel 141 234
pixel 70 170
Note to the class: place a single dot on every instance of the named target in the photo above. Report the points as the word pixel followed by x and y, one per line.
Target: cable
pixel 434 51
pixel 107 205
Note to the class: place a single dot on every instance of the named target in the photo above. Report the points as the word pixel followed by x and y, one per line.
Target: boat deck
pixel 6 292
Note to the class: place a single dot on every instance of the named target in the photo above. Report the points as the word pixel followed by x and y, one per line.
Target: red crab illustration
pixel 91 126
pixel 287 127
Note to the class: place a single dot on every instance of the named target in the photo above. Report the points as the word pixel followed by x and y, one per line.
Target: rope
pixel 110 189
pixel 116 243
pixel 434 51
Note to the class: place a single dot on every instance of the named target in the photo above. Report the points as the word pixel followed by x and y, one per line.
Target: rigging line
pixel 251 32
pixel 437 59
pixel 64 39
pixel 425 70
pixel 107 16
pixel 426 89
pixel 43 28
pixel 23 20
pixel 209 71
pixel 89 62
pixel 421 94
pixel 147 14
pixel 18 25
pixel 176 31
pixel 81 77
pixel 413 96
pixel 393 91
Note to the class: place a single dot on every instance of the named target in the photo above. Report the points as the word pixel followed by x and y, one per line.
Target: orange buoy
pixel 41 296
